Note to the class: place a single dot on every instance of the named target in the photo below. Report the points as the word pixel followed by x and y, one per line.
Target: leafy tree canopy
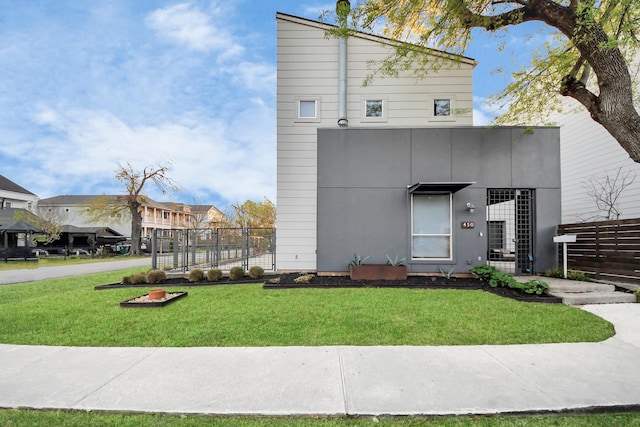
pixel 588 57
pixel 251 214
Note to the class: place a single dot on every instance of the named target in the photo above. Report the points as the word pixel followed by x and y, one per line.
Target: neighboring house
pixel 87 238
pixel 76 210
pixel 16 233
pixel 389 169
pixel 206 216
pixel 591 155
pixel 14 196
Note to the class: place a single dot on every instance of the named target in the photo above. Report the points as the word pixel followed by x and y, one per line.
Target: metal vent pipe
pixel 342 10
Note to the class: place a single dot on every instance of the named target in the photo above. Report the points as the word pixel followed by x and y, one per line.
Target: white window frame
pixel 431 116
pixel 449 235
pixel 382 118
pixel 296 109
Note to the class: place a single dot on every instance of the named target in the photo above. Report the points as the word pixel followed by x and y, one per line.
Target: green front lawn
pixel 70 312
pixel 14 417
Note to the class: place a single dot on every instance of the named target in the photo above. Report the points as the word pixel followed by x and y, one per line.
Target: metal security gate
pixel 511 229
pixel 223 248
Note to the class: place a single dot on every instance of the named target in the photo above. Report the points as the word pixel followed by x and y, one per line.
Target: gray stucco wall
pixel 364 206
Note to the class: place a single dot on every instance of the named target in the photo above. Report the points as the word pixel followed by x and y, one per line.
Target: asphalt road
pixel 42 273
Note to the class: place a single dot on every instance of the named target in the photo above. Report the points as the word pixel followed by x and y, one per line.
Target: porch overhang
pixel 437 187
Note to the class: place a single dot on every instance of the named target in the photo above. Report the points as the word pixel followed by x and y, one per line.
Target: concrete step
pixel 576 287
pixel 572 298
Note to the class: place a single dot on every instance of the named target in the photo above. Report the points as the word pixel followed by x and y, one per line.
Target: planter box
pixel 378 272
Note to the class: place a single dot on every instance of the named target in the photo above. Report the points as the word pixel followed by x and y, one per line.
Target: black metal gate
pixel 223 248
pixel 511 229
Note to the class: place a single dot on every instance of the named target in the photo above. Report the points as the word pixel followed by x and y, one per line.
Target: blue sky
pixel 85 85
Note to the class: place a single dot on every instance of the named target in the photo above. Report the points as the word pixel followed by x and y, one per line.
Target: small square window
pixel 307 109
pixel 441 107
pixel 373 108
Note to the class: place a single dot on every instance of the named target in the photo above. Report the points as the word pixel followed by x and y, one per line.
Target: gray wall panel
pixel 536 159
pixel 368 221
pixel 363 174
pixel 430 155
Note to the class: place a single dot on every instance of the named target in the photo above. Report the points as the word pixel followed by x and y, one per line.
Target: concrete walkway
pixel 338 380
pixel 43 273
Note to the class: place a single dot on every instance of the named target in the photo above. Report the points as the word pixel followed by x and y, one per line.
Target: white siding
pixel 77 215
pixel 589 152
pixel 308 69
pixel 19 200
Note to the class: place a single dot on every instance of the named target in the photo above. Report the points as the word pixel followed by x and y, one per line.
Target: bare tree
pixel 606 190
pixel 48 220
pixel 134 181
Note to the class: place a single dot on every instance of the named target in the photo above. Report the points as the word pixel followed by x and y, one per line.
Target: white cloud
pixel 187 26
pixel 205 155
pixel 484 112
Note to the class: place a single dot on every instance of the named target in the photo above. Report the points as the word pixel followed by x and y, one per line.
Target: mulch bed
pixel 412 282
pixel 177 281
pixel 332 282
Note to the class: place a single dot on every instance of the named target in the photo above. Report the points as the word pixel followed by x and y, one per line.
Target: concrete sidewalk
pixel 43 273
pixel 332 380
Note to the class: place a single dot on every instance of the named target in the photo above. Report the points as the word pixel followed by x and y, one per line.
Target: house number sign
pixel 468 224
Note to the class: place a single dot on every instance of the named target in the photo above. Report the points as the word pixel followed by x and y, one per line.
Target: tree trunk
pixel 136 229
pixel 613 106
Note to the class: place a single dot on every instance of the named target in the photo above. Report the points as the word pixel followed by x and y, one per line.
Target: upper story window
pixel 374 109
pixel 441 107
pixel 307 110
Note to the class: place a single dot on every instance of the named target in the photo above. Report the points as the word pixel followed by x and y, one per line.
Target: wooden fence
pixel 606 250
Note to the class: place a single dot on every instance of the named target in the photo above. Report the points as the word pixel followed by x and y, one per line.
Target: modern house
pixel 396 167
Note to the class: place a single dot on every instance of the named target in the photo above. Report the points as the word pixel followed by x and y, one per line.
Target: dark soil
pixel 182 282
pixel 412 282
pixel 286 281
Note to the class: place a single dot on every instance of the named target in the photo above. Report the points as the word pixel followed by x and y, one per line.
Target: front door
pixel 510 229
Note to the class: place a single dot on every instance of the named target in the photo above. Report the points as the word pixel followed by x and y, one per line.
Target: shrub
pixel 554 272
pixel 138 278
pixel 578 275
pixel 274 280
pixel 214 274
pixel 497 278
pixel 502 280
pixel 126 280
pixel 256 272
pixel 535 286
pixel 484 272
pixel 303 279
pixel 236 273
pixel 156 276
pixel 196 275
pixel 571 274
pixel 637 294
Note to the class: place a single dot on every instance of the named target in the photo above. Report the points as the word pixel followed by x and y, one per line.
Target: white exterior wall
pixel 76 215
pixel 308 69
pixel 588 151
pixel 19 200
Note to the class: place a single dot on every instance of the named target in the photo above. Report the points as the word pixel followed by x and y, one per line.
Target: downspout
pixel 342 10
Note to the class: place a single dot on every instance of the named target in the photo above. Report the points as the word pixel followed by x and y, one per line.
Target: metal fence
pixel 223 248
